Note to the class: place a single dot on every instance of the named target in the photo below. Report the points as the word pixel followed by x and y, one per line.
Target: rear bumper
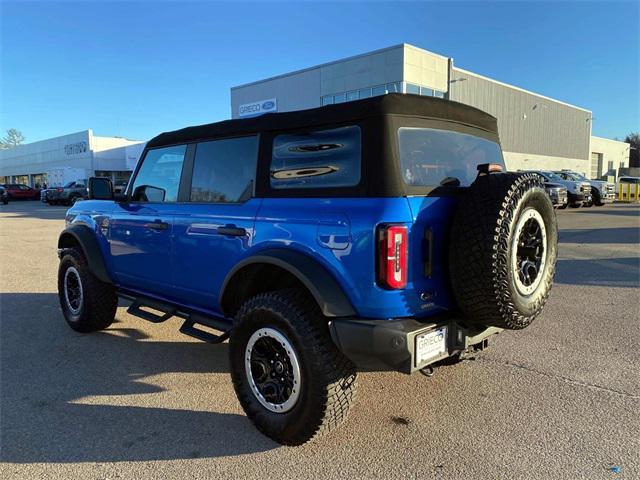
pixel 391 344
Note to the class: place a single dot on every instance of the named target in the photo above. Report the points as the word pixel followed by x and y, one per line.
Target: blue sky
pixel 138 68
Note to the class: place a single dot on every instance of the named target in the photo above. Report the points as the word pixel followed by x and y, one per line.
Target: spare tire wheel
pixel 504 243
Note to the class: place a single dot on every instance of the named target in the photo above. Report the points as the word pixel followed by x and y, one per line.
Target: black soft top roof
pixel 391 104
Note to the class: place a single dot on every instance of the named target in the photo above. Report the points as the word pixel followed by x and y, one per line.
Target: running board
pixel 189 328
pixel 136 309
pixel 191 319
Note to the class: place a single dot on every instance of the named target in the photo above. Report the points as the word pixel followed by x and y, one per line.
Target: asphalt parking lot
pixel 557 400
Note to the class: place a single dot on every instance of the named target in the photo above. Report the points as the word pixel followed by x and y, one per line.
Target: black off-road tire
pixel 597 199
pixel 481 252
pixel 327 377
pixel 99 301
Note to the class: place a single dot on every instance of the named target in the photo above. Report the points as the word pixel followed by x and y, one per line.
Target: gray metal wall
pixel 528 123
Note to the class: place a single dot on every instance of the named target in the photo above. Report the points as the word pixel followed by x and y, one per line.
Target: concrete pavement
pixel 557 400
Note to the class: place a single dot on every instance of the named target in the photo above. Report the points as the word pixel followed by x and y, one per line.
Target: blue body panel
pixel 188 262
pixel 202 257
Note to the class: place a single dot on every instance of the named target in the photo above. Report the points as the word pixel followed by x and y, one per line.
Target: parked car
pixel 557 193
pixel 579 192
pixel 68 194
pixel 4 196
pixel 316 241
pixel 627 179
pixel 19 191
pixel 601 191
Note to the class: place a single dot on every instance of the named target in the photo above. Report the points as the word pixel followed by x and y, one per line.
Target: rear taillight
pixel 392 256
pixel 58 189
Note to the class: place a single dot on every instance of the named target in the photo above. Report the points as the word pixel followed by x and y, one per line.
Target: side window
pixel 224 170
pixel 159 176
pixel 319 159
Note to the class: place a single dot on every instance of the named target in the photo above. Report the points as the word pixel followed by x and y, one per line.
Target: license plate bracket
pixel 431 346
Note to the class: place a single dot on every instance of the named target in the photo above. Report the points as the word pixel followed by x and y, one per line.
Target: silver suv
pixel 601 191
pixel 579 192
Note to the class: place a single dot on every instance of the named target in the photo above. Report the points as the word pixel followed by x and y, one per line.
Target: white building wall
pixel 66 151
pixel 614 155
pixel 368 70
pixel 80 150
pixel 425 68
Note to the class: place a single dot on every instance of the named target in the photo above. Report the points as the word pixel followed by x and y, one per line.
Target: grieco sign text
pixel 75 148
pixel 258 108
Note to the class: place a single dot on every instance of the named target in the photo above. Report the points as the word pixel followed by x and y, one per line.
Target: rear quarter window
pixel 318 159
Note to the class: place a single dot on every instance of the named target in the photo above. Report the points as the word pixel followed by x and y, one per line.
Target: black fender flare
pixel 324 288
pixel 86 238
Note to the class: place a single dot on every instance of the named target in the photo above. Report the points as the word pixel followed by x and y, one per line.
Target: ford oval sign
pixel 254 109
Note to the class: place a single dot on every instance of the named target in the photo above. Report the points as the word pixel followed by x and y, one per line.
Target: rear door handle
pixel 232 230
pixel 158 225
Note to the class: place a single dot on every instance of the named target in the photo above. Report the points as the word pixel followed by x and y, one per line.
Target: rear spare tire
pixel 503 250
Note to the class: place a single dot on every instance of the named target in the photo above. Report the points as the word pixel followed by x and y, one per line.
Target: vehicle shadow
pixel 52 379
pixel 608 272
pixel 601 235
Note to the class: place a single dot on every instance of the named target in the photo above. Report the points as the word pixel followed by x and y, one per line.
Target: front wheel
pixel 291 380
pixel 87 303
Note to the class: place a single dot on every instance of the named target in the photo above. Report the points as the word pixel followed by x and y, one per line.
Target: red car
pixel 16 191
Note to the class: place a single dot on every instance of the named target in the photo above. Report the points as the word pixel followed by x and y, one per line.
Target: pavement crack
pixel 561 377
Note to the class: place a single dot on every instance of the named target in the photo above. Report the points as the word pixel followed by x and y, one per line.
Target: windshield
pixel 69 185
pixel 576 176
pixel 551 176
pixel 428 156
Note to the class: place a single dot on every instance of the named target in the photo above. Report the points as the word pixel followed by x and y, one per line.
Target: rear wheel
pixel 87 303
pixel 291 380
pixel 503 250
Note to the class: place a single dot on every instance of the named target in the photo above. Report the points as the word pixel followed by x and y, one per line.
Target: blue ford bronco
pixel 381 233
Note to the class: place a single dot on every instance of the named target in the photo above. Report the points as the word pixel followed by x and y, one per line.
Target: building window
pixel 327 100
pixel 379 90
pixel 351 96
pixel 427 92
pixel 365 92
pixel 438 94
pixel 394 87
pixel 340 98
pixel 414 89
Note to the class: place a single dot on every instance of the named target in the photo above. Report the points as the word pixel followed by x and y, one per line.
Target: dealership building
pixel 537 132
pixel 82 152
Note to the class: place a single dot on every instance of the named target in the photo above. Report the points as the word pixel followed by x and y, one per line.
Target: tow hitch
pixel 468 354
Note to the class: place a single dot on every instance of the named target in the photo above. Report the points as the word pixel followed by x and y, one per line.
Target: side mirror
pixel 100 188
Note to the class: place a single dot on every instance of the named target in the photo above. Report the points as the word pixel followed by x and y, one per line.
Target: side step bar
pixel 191 319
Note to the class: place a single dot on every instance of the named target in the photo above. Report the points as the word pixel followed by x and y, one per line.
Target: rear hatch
pixel 444 163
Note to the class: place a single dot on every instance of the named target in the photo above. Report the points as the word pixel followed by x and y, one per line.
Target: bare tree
pixel 13 138
pixel 634 155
